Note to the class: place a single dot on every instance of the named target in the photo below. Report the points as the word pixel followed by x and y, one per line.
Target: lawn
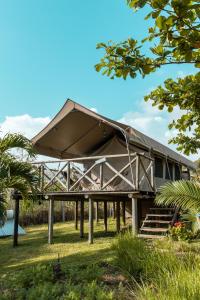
pixel 72 250
pixel 31 270
pixel 112 268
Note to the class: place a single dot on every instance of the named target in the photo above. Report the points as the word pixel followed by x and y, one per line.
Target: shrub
pixel 180 232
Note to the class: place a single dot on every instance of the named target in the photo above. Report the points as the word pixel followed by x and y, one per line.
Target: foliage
pixel 183 93
pixel 165 275
pixel 184 194
pixel 173 39
pixel 180 232
pixel 14 173
pixel 39 283
pixel 133 251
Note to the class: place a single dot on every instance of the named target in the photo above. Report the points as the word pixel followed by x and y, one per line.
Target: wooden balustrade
pixel 97 173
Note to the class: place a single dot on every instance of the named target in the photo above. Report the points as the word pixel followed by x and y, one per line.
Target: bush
pixel 180 232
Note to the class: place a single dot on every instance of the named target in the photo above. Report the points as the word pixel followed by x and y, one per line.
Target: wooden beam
pixel 51 220
pixel 118 174
pixel 124 212
pixel 76 215
pixel 97 212
pixel 106 215
pixel 16 223
pixel 134 216
pixel 91 221
pixel 81 218
pixel 118 216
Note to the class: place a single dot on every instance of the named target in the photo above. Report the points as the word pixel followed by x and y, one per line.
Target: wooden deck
pixel 116 178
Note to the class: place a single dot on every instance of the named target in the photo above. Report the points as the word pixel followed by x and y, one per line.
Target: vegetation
pixel 15 173
pixel 183 194
pixel 71 269
pixel 172 274
pixel 173 38
pixel 82 272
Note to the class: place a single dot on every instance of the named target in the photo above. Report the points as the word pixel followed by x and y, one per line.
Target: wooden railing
pixel 122 172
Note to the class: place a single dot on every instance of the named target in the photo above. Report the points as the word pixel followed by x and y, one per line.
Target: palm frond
pixel 183 194
pixel 15 140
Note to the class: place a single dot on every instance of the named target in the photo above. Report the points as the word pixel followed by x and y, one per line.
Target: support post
pixel 82 218
pixel 97 212
pixel 63 210
pixel 76 215
pixel 118 216
pixel 91 221
pixel 16 223
pixel 106 216
pixel 134 216
pixel 114 210
pixel 51 220
pixel 124 212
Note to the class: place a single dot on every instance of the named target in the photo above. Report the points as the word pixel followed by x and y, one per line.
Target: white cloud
pixel 154 123
pixel 24 124
pixel 94 109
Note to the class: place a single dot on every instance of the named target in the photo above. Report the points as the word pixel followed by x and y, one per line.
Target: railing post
pixel 152 174
pixel 68 176
pixel 101 176
pixel 42 178
pixel 137 173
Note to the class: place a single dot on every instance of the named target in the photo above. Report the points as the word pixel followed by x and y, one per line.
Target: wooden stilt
pixel 51 220
pixel 63 210
pixel 134 216
pixel 97 212
pixel 76 215
pixel 118 216
pixel 124 212
pixel 16 223
pixel 82 218
pixel 106 216
pixel 114 210
pixel 91 222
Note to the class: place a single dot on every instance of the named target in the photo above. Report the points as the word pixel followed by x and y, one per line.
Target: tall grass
pixel 158 274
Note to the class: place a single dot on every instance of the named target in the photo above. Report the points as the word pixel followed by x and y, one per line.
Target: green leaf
pixel 160 22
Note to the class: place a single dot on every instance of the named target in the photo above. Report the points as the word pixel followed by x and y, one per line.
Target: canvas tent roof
pixel 77 131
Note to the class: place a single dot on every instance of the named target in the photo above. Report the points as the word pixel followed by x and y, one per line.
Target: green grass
pixel 164 269
pixel 72 250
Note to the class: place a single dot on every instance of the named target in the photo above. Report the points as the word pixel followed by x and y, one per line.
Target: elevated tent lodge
pixel 96 159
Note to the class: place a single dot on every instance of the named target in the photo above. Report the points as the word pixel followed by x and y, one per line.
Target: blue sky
pixel 48 52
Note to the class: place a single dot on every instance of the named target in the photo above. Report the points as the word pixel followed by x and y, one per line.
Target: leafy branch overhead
pixel 174 38
pixel 175 32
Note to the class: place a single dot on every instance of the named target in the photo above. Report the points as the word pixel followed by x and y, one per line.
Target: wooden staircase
pixel 157 222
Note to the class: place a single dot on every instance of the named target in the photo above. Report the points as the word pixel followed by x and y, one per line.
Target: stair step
pixel 157 221
pixel 162 208
pixel 150 229
pixel 160 215
pixel 150 236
